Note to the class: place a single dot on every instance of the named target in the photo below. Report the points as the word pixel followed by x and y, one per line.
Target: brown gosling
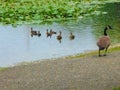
pixel 52 32
pixel 104 41
pixel 48 33
pixel 72 36
pixel 33 32
pixel 59 37
pixel 39 34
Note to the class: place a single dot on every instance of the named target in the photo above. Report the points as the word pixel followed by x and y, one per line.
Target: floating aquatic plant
pixel 16 11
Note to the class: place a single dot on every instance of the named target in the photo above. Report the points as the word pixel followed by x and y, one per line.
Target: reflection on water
pixel 36 42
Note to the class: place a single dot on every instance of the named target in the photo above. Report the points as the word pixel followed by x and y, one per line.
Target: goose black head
pixel 108 27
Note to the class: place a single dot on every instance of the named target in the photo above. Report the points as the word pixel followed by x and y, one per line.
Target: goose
pixel 33 32
pixel 104 41
pixel 48 33
pixel 59 37
pixel 52 32
pixel 71 36
pixel 39 34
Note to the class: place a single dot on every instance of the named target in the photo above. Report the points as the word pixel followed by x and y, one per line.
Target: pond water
pixel 17 45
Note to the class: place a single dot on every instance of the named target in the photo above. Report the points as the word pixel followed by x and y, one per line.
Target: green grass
pixel 117 88
pixel 111 49
pixel 3 69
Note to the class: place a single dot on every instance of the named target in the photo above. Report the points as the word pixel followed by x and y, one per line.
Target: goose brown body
pixel 104 41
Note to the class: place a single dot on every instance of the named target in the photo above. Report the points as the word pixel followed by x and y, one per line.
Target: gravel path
pixel 86 73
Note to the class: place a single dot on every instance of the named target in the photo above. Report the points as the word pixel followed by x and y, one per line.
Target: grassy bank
pixel 117 88
pixel 114 48
pixel 37 11
pixel 3 69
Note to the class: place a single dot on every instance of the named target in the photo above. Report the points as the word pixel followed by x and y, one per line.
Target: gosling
pixel 72 36
pixel 39 34
pixel 48 33
pixel 33 32
pixel 59 37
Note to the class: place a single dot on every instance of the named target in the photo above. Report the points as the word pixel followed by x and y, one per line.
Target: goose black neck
pixel 105 31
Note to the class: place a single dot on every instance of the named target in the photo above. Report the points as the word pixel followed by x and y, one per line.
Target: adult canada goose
pixel 52 32
pixel 39 34
pixel 59 37
pixel 72 36
pixel 48 33
pixel 104 41
pixel 33 32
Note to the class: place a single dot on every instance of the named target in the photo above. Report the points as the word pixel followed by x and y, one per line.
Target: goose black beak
pixel 109 27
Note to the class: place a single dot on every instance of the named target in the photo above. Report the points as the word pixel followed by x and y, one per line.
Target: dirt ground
pixel 85 73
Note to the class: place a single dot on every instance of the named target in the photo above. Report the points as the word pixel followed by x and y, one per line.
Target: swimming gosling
pixel 33 32
pixel 48 33
pixel 104 41
pixel 72 36
pixel 39 34
pixel 52 32
pixel 59 37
